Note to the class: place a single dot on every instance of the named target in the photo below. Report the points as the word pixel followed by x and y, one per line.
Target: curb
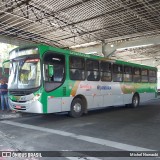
pixel 6 115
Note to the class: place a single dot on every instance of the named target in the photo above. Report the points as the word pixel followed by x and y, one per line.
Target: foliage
pixel 4 51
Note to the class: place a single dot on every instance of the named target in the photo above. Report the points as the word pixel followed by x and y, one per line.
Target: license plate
pixel 18 107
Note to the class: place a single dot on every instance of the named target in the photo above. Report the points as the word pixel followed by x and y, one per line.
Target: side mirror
pixel 5 68
pixel 50 70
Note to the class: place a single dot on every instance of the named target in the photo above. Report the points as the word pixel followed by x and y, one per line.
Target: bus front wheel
pixel 135 101
pixel 76 108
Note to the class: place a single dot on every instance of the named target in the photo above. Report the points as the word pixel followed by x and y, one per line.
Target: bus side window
pixel 106 69
pixel 92 67
pixel 77 68
pixel 76 74
pixel 117 73
pixel 136 74
pixel 152 76
pixel 144 75
pixel 127 76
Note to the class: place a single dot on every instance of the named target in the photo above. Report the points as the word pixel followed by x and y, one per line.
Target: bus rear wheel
pixel 135 101
pixel 77 108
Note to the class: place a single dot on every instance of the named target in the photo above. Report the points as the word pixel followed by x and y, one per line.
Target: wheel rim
pixel 135 101
pixel 77 107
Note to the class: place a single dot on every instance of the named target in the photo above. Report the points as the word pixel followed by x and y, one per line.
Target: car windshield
pixel 25 73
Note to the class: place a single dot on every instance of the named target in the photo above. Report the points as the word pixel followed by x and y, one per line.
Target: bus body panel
pixel 29 106
pixel 66 103
pixel 90 102
pixel 54 104
pixel 127 98
pixel 146 96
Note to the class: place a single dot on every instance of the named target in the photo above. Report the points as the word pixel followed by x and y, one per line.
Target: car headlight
pixel 36 97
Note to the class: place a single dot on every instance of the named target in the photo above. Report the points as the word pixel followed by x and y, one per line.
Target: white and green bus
pixel 44 79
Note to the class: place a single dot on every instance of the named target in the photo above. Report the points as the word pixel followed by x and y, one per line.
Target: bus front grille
pixel 19 93
pixel 22 92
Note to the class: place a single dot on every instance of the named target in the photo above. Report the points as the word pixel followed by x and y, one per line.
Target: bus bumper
pixel 28 107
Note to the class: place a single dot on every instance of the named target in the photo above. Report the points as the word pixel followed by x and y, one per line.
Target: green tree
pixel 4 51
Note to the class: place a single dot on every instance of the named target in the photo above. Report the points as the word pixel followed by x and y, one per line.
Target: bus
pixel 45 79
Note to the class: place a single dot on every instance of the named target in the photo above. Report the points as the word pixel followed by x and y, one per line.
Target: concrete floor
pixel 110 129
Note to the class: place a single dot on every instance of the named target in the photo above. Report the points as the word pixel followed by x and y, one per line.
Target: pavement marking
pixel 99 141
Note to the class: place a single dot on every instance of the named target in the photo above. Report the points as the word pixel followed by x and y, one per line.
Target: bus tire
pixel 135 101
pixel 77 108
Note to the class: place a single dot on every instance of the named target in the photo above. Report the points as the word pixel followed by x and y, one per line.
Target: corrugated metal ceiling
pixel 65 23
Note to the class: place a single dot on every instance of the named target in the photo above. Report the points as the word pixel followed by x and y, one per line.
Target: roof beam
pixel 108 49
pixel 14 41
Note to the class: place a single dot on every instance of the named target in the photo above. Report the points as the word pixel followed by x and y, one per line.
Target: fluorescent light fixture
pixel 139 59
pixel 85 45
pixel 132 47
pixel 91 53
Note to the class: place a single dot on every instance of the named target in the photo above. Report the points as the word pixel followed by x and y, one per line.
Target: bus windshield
pixel 24 73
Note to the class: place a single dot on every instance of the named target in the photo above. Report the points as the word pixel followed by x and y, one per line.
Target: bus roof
pixel 70 52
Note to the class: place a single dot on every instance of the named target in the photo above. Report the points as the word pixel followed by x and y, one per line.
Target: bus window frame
pixel 76 68
pixel 142 81
pixel 105 71
pixel 136 74
pixel 43 75
pixel 152 76
pixel 97 70
pixel 113 72
pixel 131 74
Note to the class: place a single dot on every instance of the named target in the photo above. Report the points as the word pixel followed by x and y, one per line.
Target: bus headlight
pixel 36 97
